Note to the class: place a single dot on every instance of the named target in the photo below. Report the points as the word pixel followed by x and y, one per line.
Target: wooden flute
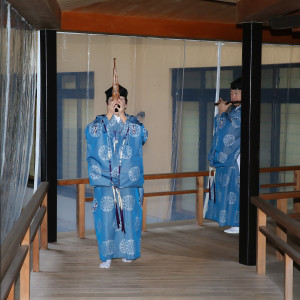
pixel 115 85
pixel 228 102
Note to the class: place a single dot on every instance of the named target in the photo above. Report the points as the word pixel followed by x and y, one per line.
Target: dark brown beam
pixel 292 21
pixel 264 10
pixel 126 25
pixel 40 14
pixel 84 22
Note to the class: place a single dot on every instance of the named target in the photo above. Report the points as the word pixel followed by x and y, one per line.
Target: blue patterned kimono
pixel 115 168
pixel 224 155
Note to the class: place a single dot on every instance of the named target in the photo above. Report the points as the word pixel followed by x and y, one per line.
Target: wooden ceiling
pixel 190 19
pixel 192 10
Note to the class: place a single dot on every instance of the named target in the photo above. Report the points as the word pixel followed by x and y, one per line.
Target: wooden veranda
pixel 179 261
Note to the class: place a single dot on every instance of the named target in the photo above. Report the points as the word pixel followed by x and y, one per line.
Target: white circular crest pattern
pixel 127 152
pixel 95 172
pixel 107 247
pixel 127 247
pixel 134 173
pixel 128 202
pixel 225 180
pixel 222 216
pixel 222 157
pixel 232 198
pixel 130 247
pixel 115 172
pixel 95 130
pixel 104 152
pixel 122 246
pixel 107 203
pixel 134 130
pixel 125 128
pixel 236 122
pixel 228 140
pixel 110 127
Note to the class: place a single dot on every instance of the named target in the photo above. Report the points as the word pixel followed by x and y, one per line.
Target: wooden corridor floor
pixel 182 261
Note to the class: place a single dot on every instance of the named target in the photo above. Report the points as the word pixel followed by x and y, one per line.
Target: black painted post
pixel 49 125
pixel 250 137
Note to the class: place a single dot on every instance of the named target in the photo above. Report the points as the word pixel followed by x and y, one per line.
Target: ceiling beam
pixel 292 21
pixel 124 25
pixel 41 14
pixel 264 10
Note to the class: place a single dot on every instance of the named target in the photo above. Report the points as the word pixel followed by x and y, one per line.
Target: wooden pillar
pixel 36 253
pixel 288 278
pixel 11 295
pixel 49 125
pixel 250 136
pixel 280 231
pixel 25 270
pixel 199 202
pixel 297 188
pixel 144 224
pixel 261 244
pixel 44 226
pixel 80 211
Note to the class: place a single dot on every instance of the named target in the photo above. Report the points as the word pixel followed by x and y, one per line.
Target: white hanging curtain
pixel 18 88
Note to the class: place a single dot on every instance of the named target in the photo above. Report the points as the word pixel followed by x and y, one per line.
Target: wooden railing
pixel 22 241
pixel 200 192
pixel 81 199
pixel 286 225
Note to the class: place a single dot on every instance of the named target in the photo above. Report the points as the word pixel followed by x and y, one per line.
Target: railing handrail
pixel 284 225
pixel 280 195
pixel 280 244
pixel 279 169
pixel 11 243
pixel 81 199
pixel 73 181
pixel 284 220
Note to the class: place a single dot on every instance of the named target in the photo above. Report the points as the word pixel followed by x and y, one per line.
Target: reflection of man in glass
pixel 115 167
pixel 224 157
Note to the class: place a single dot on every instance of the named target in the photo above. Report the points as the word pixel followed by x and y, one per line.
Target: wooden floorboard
pixel 183 261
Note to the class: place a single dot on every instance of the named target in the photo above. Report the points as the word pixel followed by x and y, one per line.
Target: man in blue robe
pixel 115 169
pixel 224 158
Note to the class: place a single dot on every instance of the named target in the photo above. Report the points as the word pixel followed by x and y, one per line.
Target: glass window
pixel 75 105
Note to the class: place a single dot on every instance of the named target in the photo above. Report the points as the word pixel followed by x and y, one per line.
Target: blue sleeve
pixel 226 141
pixel 144 131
